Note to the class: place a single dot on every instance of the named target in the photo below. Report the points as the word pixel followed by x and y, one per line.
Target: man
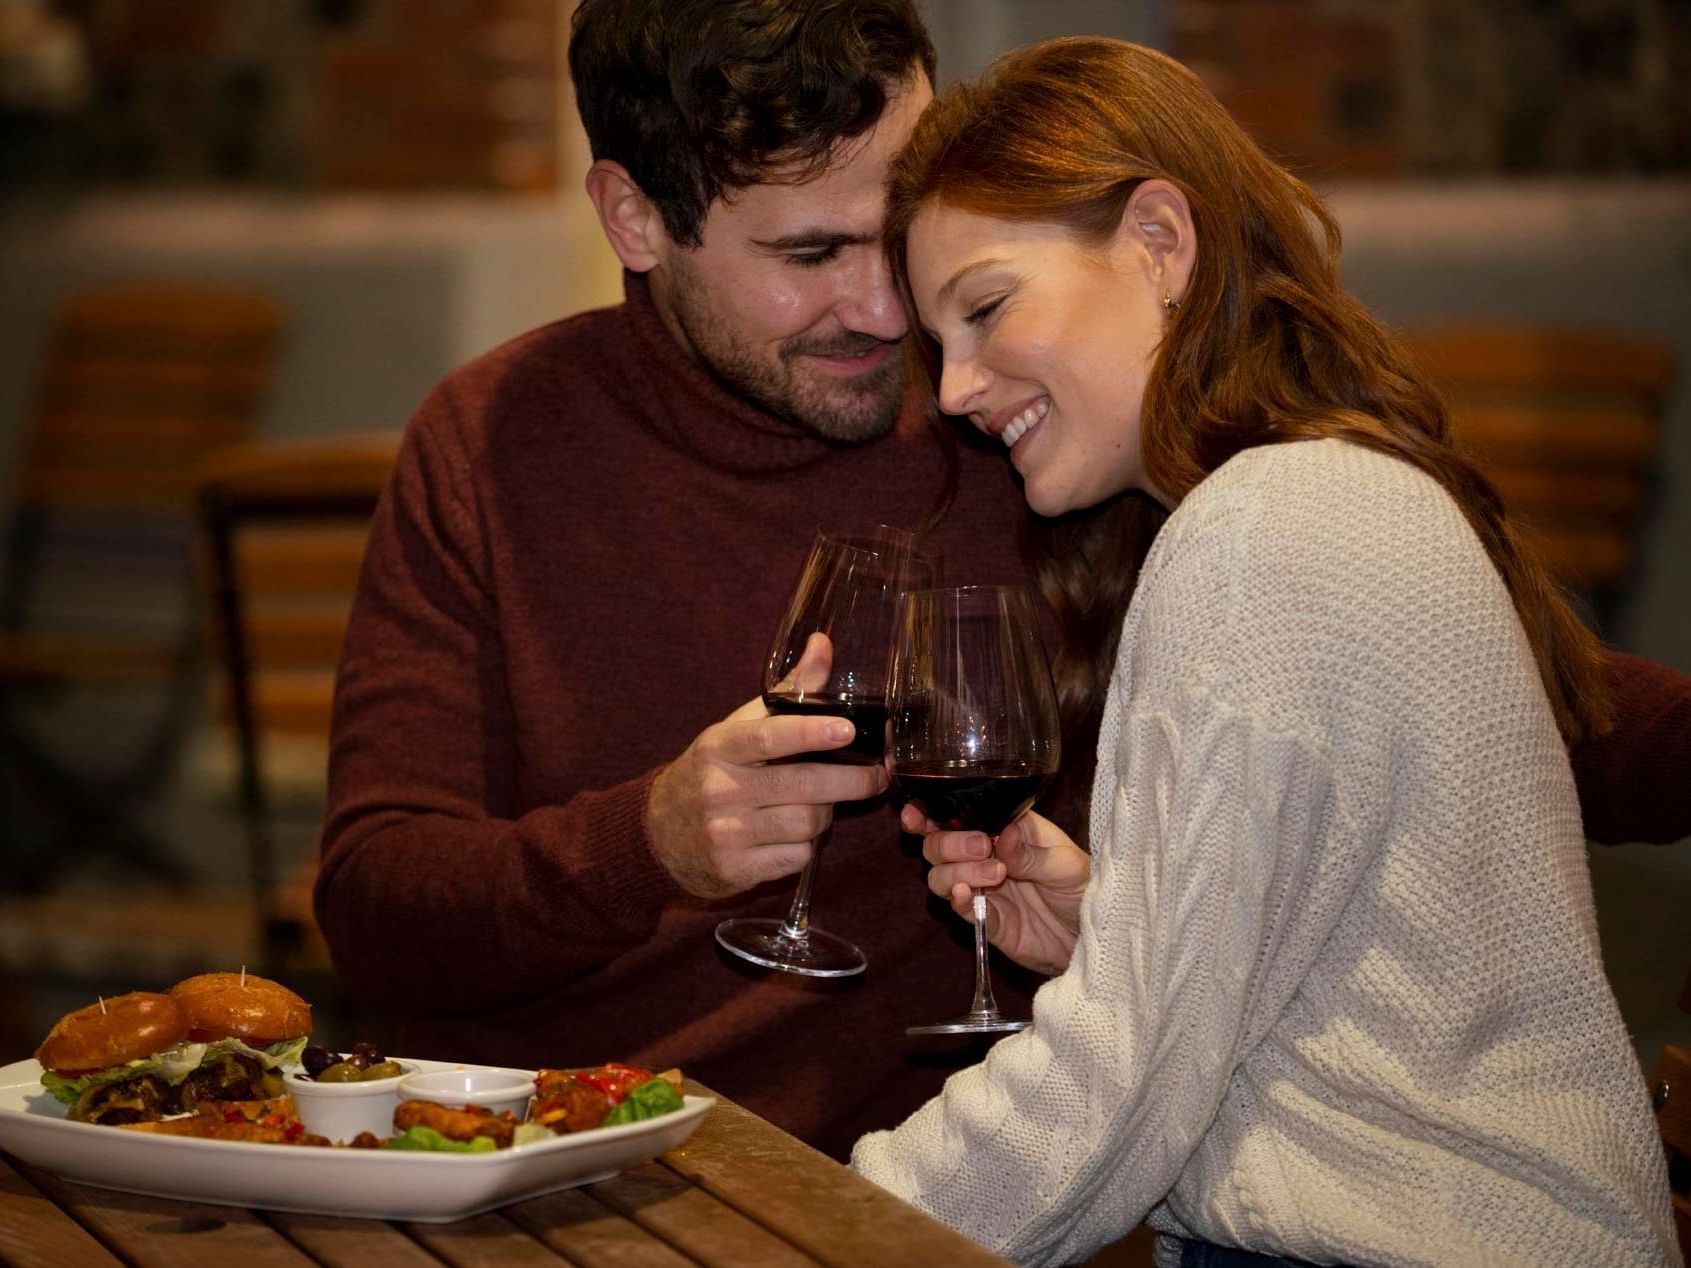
pixel 547 784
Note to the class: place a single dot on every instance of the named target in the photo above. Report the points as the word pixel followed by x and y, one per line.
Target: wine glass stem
pixel 797 924
pixel 984 1003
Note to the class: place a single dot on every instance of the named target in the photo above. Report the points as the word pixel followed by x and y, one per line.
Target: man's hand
pixel 1034 877
pixel 729 814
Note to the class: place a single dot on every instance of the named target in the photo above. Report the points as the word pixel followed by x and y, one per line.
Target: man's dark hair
pixel 700 97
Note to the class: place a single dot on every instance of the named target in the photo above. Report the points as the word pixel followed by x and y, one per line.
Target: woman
pixel 1332 990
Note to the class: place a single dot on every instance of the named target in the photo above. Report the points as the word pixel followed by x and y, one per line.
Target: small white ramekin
pixel 341 1110
pixel 495 1090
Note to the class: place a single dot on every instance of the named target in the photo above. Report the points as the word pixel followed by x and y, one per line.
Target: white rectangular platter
pixel 375 1183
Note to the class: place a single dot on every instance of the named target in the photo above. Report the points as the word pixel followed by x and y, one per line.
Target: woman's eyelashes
pixel 981 313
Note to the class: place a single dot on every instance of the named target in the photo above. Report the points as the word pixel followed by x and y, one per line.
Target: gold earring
pixel 1170 303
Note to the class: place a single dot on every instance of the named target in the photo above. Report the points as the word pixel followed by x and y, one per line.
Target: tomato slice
pixel 614 1079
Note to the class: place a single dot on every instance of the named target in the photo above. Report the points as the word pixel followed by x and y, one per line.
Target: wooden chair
pixel 284 528
pixel 137 386
pixel 1566 424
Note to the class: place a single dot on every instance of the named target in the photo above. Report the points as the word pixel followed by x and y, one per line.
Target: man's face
pixel 788 299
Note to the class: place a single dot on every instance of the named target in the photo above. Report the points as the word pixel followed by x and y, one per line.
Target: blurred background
pixel 240 239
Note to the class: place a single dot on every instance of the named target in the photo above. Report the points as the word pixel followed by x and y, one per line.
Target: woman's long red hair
pixel 1266 347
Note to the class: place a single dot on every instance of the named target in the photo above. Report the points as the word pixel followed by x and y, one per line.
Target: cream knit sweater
pixel 1337 992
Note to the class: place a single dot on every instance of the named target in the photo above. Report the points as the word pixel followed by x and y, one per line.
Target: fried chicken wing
pixel 455 1124
pixel 567 1106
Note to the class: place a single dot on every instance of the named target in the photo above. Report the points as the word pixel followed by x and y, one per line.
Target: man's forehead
pixel 839 203
pixel 778 208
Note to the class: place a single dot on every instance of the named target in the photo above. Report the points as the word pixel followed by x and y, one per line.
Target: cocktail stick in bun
pixel 242 1006
pixel 113 1032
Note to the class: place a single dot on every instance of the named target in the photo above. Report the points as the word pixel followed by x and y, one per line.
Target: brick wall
pixel 316 94
pixel 1362 88
pixel 432 94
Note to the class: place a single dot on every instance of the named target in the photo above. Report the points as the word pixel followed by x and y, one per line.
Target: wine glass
pixel 973 732
pixel 848 590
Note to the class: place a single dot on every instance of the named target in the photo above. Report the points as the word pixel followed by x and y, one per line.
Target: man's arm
pixel 1633 781
pixel 426 851
pixel 421 855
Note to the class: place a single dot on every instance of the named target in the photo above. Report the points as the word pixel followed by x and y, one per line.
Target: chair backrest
pixel 284 526
pixel 1671 1089
pixel 138 385
pixel 1565 422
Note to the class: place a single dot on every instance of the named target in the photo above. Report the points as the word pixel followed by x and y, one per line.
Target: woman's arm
pixel 1208 901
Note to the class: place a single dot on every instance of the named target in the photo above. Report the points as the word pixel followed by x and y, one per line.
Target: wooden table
pixel 739 1193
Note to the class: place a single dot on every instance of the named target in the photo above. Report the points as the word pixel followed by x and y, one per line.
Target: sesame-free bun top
pixel 250 1008
pixel 124 1028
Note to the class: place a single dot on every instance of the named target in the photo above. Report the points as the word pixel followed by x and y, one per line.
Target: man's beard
pixel 844 410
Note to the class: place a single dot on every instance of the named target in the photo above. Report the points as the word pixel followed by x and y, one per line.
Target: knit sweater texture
pixel 577 567
pixel 1337 993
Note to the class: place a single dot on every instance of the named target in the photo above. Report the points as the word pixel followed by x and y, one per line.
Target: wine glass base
pixel 972 1024
pixel 766 943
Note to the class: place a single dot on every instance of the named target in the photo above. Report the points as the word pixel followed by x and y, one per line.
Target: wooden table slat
pixel 191 1235
pixel 591 1235
pixel 754 1166
pixel 36 1234
pixel 339 1241
pixel 694 1222
pixel 484 1241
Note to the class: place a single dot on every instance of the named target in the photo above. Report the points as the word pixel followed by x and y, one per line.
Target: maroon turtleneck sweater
pixel 577 567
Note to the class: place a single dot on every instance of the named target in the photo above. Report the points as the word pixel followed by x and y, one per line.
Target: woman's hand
pixel 1034 877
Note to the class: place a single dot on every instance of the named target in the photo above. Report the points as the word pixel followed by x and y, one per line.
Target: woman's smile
pixel 1023 421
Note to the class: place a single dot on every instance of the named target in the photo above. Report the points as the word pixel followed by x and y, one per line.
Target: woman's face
pixel 1047 343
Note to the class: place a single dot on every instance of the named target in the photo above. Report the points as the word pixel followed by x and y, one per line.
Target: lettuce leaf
pixel 427 1138
pixel 647 1100
pixel 282 1052
pixel 172 1065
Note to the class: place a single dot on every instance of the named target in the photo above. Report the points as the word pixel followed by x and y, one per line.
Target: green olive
pixel 340 1072
pixel 384 1070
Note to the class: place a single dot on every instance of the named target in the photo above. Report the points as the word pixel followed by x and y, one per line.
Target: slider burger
pixel 144 1056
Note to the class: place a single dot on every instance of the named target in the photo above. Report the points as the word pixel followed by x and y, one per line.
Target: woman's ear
pixel 1158 220
pixel 630 221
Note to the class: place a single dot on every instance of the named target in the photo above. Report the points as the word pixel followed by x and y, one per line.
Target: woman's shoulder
pixel 1320 550
pixel 1296 473
pixel 1326 503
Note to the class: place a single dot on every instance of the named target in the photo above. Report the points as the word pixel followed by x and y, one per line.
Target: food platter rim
pixel 26 1075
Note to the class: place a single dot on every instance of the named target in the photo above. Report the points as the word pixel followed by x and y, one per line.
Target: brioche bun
pixel 125 1028
pixel 247 1007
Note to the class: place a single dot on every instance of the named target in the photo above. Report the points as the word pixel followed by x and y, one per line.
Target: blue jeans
pixel 1207 1255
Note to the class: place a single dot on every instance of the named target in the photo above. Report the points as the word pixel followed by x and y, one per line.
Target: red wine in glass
pixel 973 734
pixel 868 716
pixel 847 590
pixel 972 796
